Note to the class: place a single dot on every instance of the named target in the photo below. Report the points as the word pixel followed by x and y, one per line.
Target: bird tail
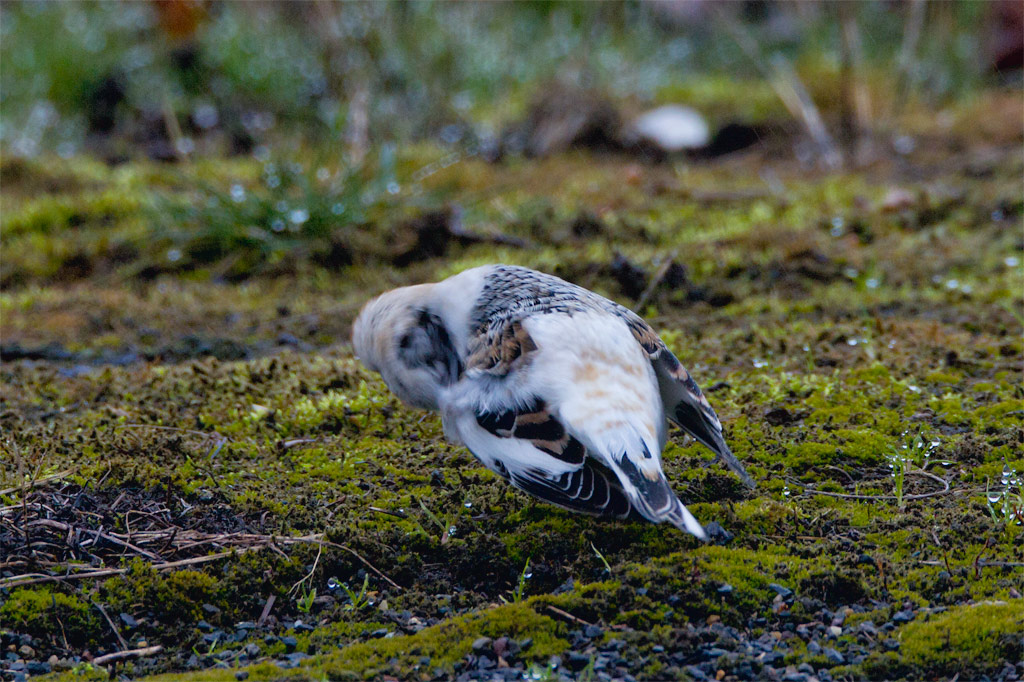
pixel 651 495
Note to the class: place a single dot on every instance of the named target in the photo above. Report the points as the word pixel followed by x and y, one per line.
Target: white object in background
pixel 672 128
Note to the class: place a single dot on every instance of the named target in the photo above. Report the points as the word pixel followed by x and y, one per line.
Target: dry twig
pixel 131 653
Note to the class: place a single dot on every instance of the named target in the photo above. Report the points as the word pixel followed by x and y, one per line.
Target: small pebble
pixel 242 675
pixel 834 656
pixel 577 661
pixel 38 668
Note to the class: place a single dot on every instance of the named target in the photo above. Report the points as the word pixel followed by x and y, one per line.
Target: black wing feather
pixel 590 488
pixel 686 405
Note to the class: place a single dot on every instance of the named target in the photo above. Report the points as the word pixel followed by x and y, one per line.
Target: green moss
pixel 177 595
pixel 965 638
pixel 450 641
pixel 40 612
pixel 821 351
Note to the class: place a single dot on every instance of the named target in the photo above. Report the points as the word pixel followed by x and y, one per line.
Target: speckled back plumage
pixel 512 293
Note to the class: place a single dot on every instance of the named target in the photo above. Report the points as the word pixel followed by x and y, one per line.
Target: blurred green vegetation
pixel 259 70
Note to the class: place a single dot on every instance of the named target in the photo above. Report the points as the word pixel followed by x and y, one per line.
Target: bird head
pixel 399 336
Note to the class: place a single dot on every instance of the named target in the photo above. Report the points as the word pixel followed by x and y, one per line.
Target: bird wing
pixel 570 412
pixel 682 398
pixel 530 448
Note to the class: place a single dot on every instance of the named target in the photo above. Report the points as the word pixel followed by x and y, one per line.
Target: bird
pixel 563 393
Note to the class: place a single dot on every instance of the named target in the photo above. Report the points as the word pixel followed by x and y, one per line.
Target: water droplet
pixel 785 491
pixel 998 215
pixel 913 388
pixel 1011 261
pixel 467 505
pixel 205 115
pixel 952 284
pixel 807 349
pixel 322 174
pixel 994 497
pixel 277 225
pixel 332 583
pixel 174 255
pixel 272 181
pixel 836 231
pixel 966 289
pixel 528 575
pixel 904 144
pixel 871 283
pixel 338 208
pixel 850 273
pixel 394 187
pixel 298 622
pixel 851 342
pixel 760 363
pixel 451 531
pixel 298 216
pixel 237 193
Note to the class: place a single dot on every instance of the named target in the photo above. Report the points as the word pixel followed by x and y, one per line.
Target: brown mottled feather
pixel 539 427
pixel 500 348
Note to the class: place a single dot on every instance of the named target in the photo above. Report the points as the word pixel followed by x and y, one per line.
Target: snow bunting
pixel 560 391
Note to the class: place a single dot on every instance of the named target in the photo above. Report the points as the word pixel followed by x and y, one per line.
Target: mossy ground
pixel 828 323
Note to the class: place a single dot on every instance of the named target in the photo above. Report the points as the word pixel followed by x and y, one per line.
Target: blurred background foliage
pixel 236 74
